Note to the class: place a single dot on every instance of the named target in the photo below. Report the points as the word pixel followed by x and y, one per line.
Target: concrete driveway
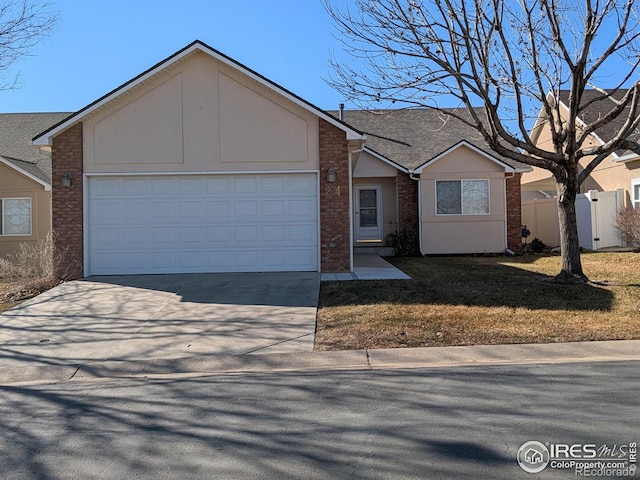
pixel 148 317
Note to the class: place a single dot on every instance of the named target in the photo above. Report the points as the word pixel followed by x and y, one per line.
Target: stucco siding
pixel 442 234
pixel 369 166
pixel 15 185
pixel 200 115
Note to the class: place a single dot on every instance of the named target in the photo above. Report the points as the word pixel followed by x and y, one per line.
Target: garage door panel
pixel 247 209
pixel 302 208
pixel 273 185
pixel 162 186
pixel 301 234
pixel 301 184
pixel 106 213
pixel 135 211
pixel 219 209
pixel 272 208
pixel 221 234
pixel 102 186
pixel 219 185
pixel 190 185
pixel 211 223
pixel 245 185
pixel 106 238
pixel 163 261
pixel 163 236
pixel 135 187
pixel 161 212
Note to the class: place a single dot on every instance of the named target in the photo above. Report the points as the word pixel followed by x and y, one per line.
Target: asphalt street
pixel 444 423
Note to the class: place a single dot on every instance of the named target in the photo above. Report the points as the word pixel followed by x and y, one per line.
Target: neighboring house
pixel 25 180
pixel 620 170
pixel 200 164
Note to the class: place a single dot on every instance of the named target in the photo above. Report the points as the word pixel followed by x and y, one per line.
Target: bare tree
pixel 511 58
pixel 23 23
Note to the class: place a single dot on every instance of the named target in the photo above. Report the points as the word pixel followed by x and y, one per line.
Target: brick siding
pixel 66 204
pixel 335 248
pixel 408 221
pixel 514 213
pixel 407 202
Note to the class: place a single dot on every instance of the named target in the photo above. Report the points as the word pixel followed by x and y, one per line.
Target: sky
pixel 97 45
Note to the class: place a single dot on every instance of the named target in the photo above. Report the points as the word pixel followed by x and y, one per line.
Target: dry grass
pixel 27 272
pixel 483 300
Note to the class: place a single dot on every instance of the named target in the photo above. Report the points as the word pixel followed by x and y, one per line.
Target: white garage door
pixel 204 223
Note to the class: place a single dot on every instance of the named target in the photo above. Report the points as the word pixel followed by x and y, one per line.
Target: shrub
pixel 405 243
pixel 628 226
pixel 31 261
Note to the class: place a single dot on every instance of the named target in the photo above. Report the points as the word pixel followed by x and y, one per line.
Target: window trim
pixel 461 214
pixel 3 216
pixel 635 201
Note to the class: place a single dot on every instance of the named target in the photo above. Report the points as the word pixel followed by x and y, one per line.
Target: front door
pixel 368 214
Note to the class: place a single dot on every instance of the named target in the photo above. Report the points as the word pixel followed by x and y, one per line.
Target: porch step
pixel 380 251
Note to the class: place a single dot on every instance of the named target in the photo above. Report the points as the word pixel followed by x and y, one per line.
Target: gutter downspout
pixel 417 179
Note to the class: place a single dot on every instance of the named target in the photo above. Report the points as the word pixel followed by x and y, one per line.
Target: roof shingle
pixel 16 131
pixel 412 137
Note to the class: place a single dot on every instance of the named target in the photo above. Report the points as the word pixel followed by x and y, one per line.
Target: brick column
pixel 407 202
pixel 335 248
pixel 514 213
pixel 408 220
pixel 66 204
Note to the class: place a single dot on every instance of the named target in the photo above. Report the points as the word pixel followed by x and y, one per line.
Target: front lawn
pixel 482 300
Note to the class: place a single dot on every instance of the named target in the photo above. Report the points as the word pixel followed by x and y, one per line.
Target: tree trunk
pixel 569 245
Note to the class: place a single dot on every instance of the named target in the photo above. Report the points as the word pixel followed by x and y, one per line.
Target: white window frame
pixel 635 200
pixel 3 217
pixel 435 193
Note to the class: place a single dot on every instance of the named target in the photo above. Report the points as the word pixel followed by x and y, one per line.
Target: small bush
pixel 628 226
pixel 31 261
pixel 405 243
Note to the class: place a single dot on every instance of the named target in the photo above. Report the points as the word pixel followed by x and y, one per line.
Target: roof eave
pixel 386 160
pixel 31 176
pixel 507 168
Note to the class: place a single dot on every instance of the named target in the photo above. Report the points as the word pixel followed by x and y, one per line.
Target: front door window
pixel 368 214
pixel 368 208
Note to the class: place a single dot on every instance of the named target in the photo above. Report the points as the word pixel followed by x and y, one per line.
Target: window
pixel 15 216
pixel 462 197
pixel 635 193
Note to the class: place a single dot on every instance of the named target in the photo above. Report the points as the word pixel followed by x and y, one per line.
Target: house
pixel 25 180
pixel 620 170
pixel 465 198
pixel 200 164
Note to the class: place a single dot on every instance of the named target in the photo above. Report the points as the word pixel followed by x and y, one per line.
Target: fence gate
pixel 604 208
pixel 596 215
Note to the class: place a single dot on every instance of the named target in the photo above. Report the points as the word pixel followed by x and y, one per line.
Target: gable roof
pixel 464 143
pixel 413 137
pixel 16 130
pixel 599 108
pixel 44 138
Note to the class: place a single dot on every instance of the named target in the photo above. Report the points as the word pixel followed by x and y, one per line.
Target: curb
pixel 379 359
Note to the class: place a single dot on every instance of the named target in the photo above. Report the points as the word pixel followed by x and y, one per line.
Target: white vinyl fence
pixel 596 212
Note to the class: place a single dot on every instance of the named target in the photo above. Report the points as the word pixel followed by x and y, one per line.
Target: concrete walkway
pixel 368 267
pixel 399 358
